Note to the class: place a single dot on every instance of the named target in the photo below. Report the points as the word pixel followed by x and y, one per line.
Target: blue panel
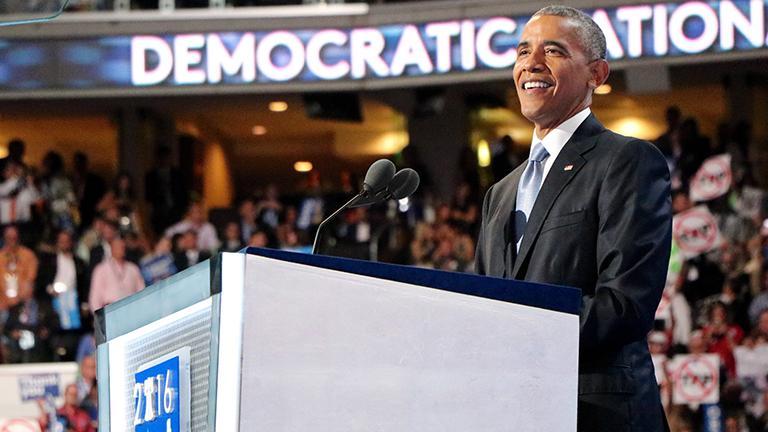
pixel 552 297
pixel 164 398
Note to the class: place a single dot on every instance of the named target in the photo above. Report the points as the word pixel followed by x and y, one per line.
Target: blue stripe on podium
pixel 545 296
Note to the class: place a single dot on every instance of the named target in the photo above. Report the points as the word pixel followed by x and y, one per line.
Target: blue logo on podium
pixel 161 394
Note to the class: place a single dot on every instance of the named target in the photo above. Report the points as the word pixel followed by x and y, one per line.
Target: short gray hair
pixel 592 37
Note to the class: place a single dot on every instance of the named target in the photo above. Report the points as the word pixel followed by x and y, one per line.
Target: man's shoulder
pixel 613 144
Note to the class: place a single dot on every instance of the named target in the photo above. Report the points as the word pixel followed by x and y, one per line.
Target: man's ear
pixel 599 71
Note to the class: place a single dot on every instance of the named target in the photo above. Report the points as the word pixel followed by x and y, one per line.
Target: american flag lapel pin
pixel 568 167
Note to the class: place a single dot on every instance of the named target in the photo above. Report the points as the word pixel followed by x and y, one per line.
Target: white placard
pixel 696 379
pixel 713 179
pixel 695 231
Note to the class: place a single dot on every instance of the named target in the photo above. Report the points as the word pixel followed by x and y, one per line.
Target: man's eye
pixel 553 51
pixel 522 52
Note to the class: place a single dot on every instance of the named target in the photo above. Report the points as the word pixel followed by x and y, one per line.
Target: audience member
pixel 189 252
pixel 71 417
pixel 30 324
pixel 247 225
pixel 114 278
pixel 63 280
pixel 232 241
pixel 86 379
pixel 195 220
pixel 18 269
pixel 159 264
pixel 108 231
pixel 57 191
pixel 18 195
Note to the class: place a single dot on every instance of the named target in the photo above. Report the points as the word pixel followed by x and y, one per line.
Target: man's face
pixel 196 214
pixel 70 395
pixel 108 232
pixel 88 367
pixel 189 241
pixel 11 237
pixel 248 210
pixel 553 76
pixel 762 322
pixel 118 249
pixel 64 242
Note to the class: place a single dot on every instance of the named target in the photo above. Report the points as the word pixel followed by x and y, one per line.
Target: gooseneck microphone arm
pixel 379 175
pixel 316 243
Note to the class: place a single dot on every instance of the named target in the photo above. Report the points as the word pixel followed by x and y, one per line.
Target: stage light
pixel 483 154
pixel 603 89
pixel 302 166
pixel 259 130
pixel 278 106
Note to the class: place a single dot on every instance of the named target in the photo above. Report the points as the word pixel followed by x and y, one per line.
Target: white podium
pixel 290 342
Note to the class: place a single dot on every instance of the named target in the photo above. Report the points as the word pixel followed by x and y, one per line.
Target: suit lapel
pixel 558 177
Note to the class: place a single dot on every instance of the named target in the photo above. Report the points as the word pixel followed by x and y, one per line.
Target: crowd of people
pixel 72 244
pixel 716 302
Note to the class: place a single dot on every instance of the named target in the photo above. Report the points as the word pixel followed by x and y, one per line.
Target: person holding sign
pixel 589 209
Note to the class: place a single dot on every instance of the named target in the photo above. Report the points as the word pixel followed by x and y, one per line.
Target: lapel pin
pixel 568 168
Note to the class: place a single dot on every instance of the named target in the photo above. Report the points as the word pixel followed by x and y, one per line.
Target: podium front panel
pixel 327 350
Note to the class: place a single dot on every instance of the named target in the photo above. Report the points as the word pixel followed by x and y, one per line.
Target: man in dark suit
pixel 589 209
pixel 60 272
pixel 187 253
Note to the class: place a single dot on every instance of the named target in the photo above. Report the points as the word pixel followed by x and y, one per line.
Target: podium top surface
pixel 204 280
pixel 552 297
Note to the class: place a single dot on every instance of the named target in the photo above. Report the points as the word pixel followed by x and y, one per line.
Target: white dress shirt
pixel 66 272
pixel 557 137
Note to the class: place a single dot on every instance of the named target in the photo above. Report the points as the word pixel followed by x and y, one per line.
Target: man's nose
pixel 533 62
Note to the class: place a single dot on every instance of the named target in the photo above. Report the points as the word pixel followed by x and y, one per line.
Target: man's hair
pixel 590 34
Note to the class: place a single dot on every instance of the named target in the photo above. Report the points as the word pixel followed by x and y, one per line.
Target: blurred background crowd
pixel 73 242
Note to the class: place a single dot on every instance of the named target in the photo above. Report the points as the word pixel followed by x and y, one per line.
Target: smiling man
pixel 589 209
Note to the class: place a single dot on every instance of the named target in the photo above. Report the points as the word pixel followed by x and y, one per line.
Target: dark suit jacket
pixel 602 223
pixel 181 261
pixel 47 273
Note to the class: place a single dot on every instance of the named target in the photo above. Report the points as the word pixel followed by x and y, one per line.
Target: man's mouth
pixel 536 85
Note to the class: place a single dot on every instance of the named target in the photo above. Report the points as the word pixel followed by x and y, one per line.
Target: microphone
pixel 403 184
pixel 377 178
pixel 379 174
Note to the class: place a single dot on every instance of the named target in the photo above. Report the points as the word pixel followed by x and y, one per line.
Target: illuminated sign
pixel 369 53
pixel 328 54
pixel 161 394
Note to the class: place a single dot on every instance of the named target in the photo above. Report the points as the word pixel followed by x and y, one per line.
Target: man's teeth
pixel 536 84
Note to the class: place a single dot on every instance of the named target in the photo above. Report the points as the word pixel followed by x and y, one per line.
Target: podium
pixel 266 340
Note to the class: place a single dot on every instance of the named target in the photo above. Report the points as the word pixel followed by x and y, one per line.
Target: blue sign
pixel 38 386
pixel 161 394
pixel 712 418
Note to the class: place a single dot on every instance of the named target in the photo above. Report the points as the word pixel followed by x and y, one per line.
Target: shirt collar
pixel 557 137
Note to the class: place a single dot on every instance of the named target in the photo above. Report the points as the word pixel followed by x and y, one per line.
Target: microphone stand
pixel 316 244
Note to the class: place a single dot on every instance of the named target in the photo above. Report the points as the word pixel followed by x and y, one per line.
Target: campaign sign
pixel 695 231
pixel 19 425
pixel 696 379
pixel 161 395
pixel 38 386
pixel 713 179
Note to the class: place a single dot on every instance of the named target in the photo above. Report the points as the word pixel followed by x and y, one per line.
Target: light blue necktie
pixel 528 189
